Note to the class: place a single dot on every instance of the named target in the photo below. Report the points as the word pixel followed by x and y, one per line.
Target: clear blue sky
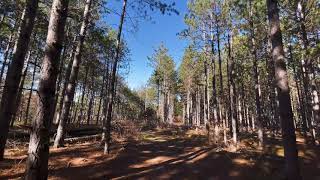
pixel 149 36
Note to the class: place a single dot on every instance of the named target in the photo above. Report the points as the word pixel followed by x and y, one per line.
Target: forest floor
pixel 171 153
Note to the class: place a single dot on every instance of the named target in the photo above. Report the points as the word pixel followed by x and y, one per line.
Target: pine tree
pixel 38 153
pixel 286 115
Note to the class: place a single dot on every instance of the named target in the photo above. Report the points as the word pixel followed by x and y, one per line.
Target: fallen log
pixel 83 138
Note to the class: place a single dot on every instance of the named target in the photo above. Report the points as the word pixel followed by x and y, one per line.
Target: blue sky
pixel 149 36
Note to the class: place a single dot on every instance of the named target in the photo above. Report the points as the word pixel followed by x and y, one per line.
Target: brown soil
pixel 173 153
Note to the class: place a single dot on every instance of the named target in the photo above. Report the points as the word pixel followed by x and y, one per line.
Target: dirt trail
pixel 166 154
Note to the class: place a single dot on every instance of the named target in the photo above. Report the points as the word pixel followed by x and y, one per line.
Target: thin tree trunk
pixel 240 112
pixel 286 116
pixel 247 116
pixel 14 71
pixel 232 108
pixel 198 105
pixel 31 90
pixel 61 67
pixel 301 105
pixel 221 98
pixel 74 117
pixel 91 101
pixel 158 98
pixel 272 90
pixel 187 120
pixel 113 80
pixel 84 87
pixel 309 83
pixel 66 80
pixel 89 112
pixel 104 79
pixel 256 78
pixel 206 94
pixel 214 90
pixel 6 57
pixel 69 94
pixel 20 90
pixel 171 107
pixel 105 105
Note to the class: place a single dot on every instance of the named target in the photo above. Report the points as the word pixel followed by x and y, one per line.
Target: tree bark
pixel 214 89
pixel 14 71
pixel 187 120
pixel 6 57
pixel 301 108
pixel 31 90
pixel 232 89
pixel 311 94
pixel 83 93
pixel 38 153
pixel 91 101
pixel 286 116
pixel 20 90
pixel 105 104
pixel 102 92
pixel 69 94
pixel 221 98
pixel 206 94
pixel 58 86
pixel 256 78
pixel 113 80
pixel 66 80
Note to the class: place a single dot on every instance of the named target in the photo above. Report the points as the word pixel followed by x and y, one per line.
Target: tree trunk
pixel 286 116
pixel 6 57
pixel 106 101
pixel 20 90
pixel 69 94
pixel 14 71
pixel 171 107
pixel 66 80
pixel 214 91
pixel 221 98
pixel 113 80
pixel 104 79
pixel 231 84
pixel 187 121
pixel 240 112
pixel 84 86
pixel 272 90
pixel 61 67
pixel 158 99
pixel 198 105
pixel 11 40
pixel 309 83
pixel 256 78
pixel 191 111
pixel 91 104
pixel 206 94
pixel 38 153
pixel 31 90
pixel 91 101
pixel 301 108
pixel 74 117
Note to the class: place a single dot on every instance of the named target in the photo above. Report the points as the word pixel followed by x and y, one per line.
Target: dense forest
pixel 241 103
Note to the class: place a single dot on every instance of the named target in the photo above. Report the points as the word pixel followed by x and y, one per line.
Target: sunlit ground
pixel 168 154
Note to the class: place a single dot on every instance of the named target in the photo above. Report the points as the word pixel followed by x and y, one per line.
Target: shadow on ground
pixel 169 154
